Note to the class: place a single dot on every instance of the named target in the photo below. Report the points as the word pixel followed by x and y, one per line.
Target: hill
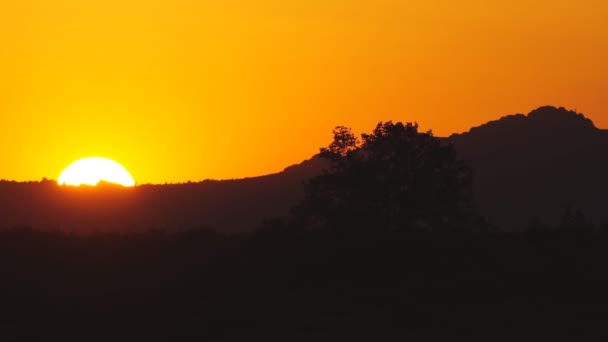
pixel 535 166
pixel 226 205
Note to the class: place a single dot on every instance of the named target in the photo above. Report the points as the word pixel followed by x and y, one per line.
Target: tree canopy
pixel 395 177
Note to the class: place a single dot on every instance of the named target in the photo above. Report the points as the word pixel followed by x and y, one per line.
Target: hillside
pixel 534 166
pixel 227 205
pixel 537 166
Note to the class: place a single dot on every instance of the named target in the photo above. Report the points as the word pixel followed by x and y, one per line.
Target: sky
pixel 179 90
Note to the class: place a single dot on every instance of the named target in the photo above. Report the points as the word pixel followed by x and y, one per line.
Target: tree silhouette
pixel 396 178
pixel 344 142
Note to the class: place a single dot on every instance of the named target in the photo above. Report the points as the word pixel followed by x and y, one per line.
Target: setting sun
pixel 90 171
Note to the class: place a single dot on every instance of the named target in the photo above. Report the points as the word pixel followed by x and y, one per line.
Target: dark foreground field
pixel 290 285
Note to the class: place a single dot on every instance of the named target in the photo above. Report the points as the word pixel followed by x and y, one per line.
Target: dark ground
pixel 290 285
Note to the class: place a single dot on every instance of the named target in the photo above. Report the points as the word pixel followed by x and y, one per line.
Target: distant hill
pixel 537 166
pixel 226 205
pixel 526 166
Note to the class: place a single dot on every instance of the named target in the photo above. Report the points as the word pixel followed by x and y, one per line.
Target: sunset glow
pixel 188 90
pixel 91 171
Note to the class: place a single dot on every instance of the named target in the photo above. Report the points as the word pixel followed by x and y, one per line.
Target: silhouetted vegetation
pixel 385 245
pixel 396 178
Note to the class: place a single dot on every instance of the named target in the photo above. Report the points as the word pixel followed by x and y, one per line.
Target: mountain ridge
pixel 527 167
pixel 540 165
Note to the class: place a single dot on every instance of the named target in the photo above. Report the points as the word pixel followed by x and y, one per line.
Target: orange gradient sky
pixel 180 90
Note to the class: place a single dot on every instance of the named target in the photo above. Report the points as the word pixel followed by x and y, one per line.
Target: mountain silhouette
pixel 226 205
pixel 526 167
pixel 537 166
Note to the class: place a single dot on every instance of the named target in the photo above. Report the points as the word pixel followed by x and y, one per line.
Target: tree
pixel 344 142
pixel 396 178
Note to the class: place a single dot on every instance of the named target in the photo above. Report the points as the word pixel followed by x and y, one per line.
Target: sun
pixel 90 171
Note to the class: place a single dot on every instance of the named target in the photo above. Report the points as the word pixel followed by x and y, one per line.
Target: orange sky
pixel 180 90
